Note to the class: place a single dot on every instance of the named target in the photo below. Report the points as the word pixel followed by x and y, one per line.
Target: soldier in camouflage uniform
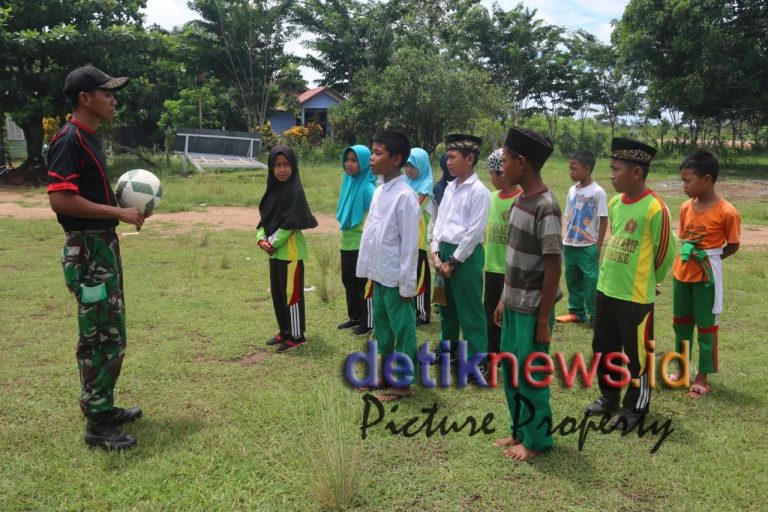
pixel 85 206
pixel 95 258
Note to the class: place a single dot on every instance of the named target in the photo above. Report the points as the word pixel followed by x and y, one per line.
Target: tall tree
pixel 245 42
pixel 438 24
pixel 422 91
pixel 289 85
pixel 705 58
pixel 607 83
pixel 196 106
pixel 555 90
pixel 42 41
pixel 157 65
pixel 348 36
pixel 584 87
pixel 514 46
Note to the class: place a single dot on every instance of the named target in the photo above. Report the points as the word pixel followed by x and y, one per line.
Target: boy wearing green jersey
pixel 637 257
pixel 496 238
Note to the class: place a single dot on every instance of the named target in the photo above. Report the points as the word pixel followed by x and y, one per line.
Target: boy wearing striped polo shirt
pixel 531 288
pixel 639 254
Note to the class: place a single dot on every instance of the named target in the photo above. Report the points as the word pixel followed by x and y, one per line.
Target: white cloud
pixel 603 31
pixel 173 13
pixel 591 15
pixel 168 13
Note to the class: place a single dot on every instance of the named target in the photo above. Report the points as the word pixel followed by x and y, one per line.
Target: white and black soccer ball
pixel 139 189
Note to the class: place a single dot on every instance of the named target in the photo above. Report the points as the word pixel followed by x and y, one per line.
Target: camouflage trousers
pixel 90 259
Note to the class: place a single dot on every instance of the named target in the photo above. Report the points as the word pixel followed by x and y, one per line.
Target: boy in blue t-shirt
pixel 586 220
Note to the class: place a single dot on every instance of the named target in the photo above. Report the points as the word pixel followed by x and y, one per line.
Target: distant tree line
pixel 693 70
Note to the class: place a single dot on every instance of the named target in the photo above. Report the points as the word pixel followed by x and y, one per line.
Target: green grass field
pixel 230 425
pixel 323 182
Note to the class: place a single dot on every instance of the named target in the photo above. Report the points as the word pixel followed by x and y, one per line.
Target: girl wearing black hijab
pixel 439 188
pixel 284 213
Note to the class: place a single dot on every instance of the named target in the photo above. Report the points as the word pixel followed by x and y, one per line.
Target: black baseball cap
pixel 88 78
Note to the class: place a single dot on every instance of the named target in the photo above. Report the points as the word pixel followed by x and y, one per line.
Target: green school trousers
pixel 692 305
pixel 528 405
pixel 582 266
pixel 464 311
pixel 394 322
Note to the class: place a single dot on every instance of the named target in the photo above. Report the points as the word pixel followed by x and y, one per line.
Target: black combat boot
pixel 119 416
pixel 99 431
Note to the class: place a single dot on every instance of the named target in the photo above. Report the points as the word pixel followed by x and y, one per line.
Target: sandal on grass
pixel 368 389
pixel 389 395
pixel 699 390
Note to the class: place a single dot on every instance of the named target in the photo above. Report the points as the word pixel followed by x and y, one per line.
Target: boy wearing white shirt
pixel 457 246
pixel 389 252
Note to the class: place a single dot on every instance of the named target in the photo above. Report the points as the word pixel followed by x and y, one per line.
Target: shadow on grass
pixel 726 396
pixel 566 462
pixel 156 437
pixel 318 345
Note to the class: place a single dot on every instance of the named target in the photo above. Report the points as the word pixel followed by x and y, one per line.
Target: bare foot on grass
pixel 506 441
pixel 698 391
pixel 520 452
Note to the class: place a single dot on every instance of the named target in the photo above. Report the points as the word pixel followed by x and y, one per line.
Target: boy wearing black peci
pixel 531 288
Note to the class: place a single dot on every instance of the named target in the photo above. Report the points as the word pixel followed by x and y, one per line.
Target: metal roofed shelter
pixel 218 149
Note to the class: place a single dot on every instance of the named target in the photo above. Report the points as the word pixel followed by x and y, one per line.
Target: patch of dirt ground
pixel 17 204
pixel 754 235
pixel 733 190
pixel 247 360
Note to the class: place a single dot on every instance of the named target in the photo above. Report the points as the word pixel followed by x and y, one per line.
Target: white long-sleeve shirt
pixel 389 247
pixel 462 216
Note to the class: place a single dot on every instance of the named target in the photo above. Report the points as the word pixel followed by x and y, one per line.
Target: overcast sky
pixel 594 16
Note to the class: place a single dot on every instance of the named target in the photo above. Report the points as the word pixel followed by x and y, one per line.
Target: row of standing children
pixel 641 250
pixel 619 299
pixel 355 198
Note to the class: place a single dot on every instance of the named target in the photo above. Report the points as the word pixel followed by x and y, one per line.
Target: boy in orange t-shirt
pixel 709 231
